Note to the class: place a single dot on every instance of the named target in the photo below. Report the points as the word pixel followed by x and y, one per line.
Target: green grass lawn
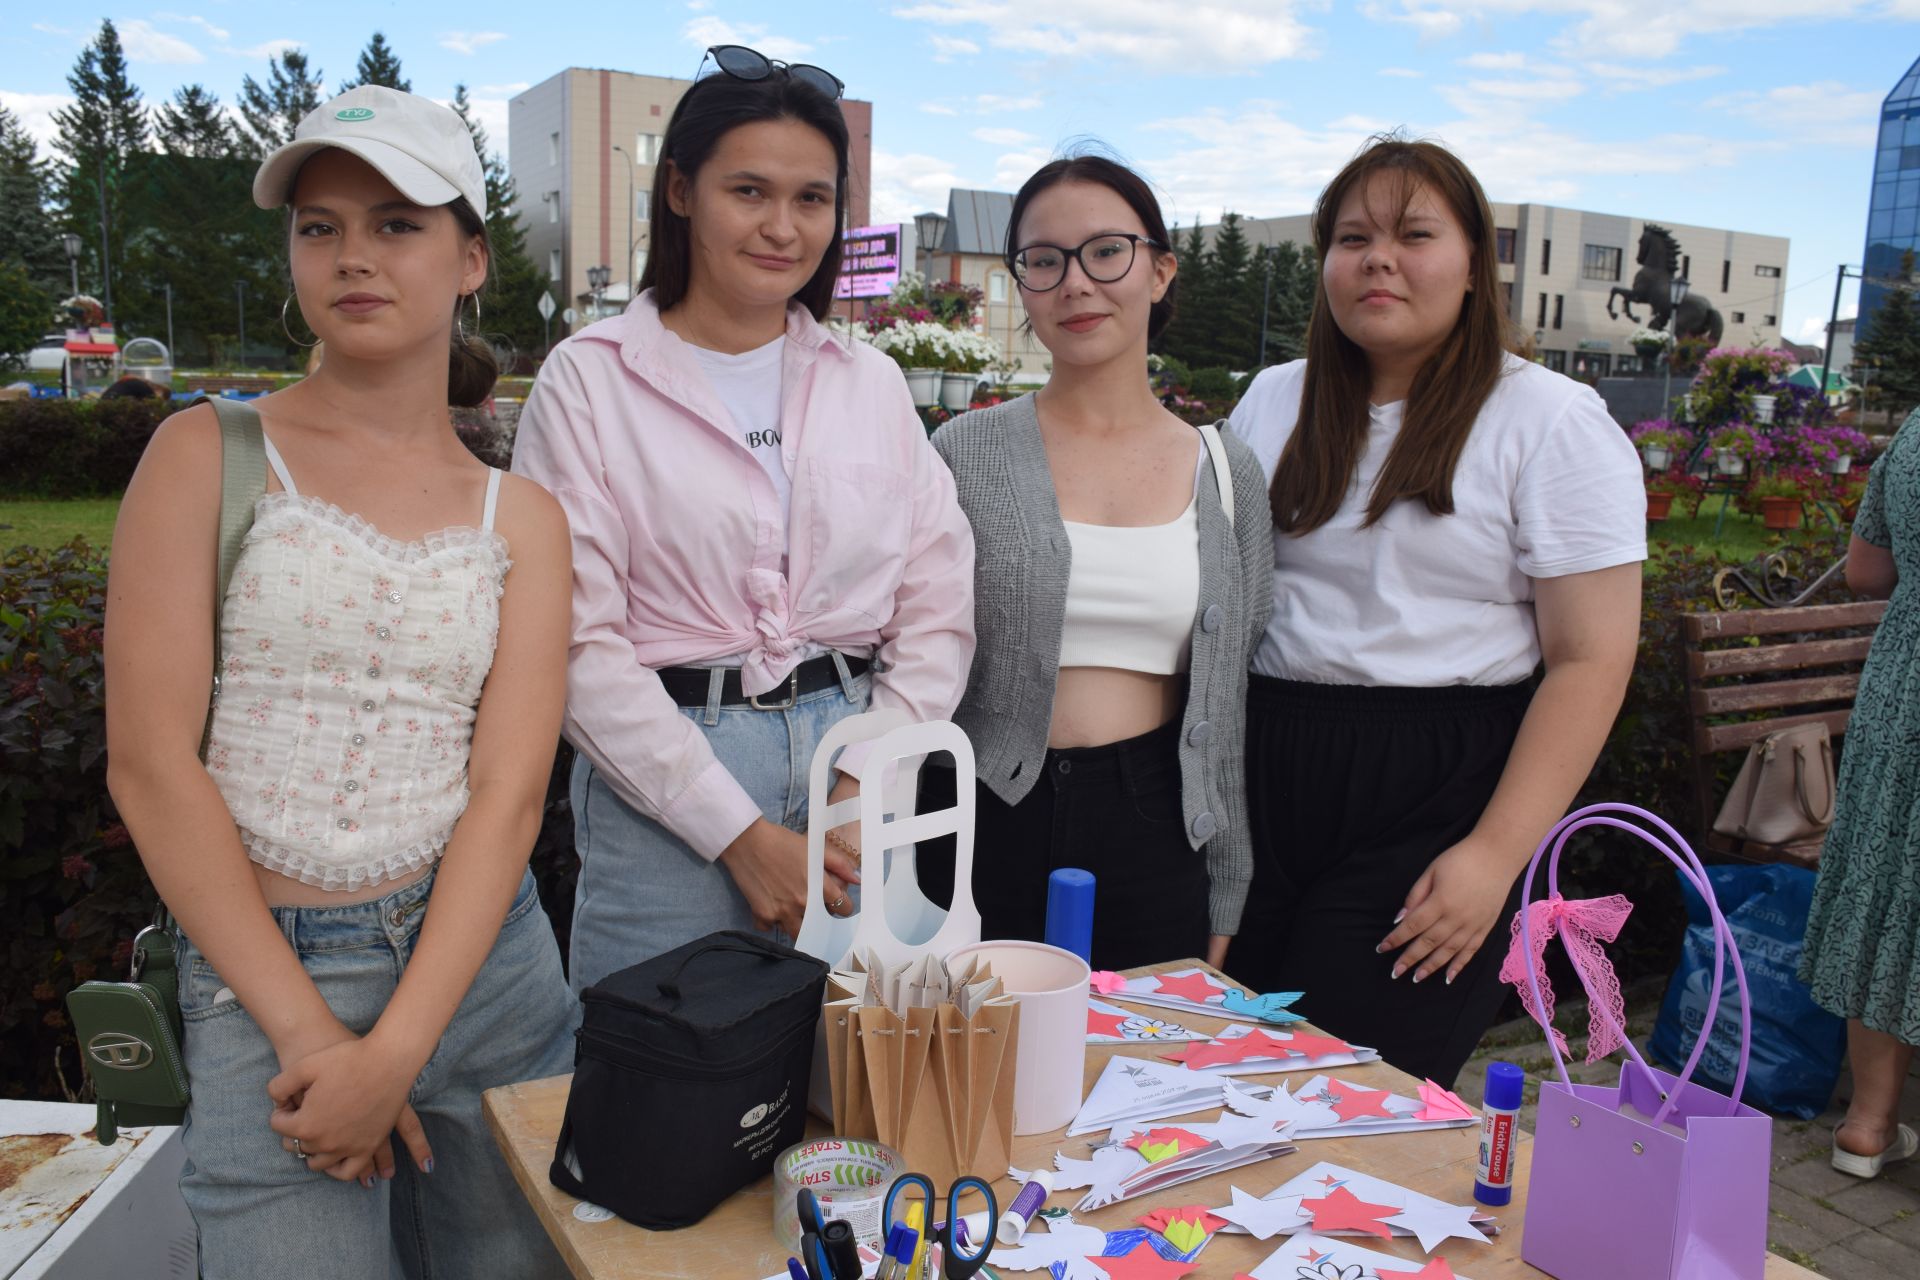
pixel 1741 538
pixel 54 522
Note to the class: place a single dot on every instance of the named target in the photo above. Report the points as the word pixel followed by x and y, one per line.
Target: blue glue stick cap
pixel 1506 1085
pixel 1070 911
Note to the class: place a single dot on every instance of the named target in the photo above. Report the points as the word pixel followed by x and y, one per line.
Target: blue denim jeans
pixel 264 1216
pixel 642 890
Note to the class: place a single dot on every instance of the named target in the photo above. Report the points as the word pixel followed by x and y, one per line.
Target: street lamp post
pixel 71 243
pixel 1677 295
pixel 927 230
pixel 597 278
pixel 240 300
pixel 168 287
pixel 632 217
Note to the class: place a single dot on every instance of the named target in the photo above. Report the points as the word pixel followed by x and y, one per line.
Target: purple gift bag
pixel 1656 1178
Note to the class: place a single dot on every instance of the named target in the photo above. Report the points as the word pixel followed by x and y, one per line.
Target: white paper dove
pixel 1064 1241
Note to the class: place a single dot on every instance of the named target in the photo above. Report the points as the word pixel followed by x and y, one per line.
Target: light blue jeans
pixel 642 890
pixel 264 1216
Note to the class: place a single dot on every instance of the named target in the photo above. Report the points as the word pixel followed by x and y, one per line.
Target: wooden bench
pixel 1769 669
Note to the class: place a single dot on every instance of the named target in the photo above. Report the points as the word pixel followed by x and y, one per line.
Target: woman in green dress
pixel 1862 954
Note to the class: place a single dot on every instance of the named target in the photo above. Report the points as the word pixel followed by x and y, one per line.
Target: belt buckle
pixel 793 695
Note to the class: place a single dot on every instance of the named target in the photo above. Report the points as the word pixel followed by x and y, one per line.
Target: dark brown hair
pixel 471 367
pixel 1123 182
pixel 1316 467
pixel 707 112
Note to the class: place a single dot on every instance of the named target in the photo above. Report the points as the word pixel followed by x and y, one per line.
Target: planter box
pixel 1781 513
pixel 1841 465
pixel 924 386
pixel 1659 505
pixel 956 391
pixel 1657 456
pixel 1729 462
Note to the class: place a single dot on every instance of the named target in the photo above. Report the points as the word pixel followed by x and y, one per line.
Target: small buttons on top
pixel 359 739
pixel 352 785
pixel 393 597
pixel 367 705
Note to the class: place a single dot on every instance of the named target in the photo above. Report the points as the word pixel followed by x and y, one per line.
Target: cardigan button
pixel 1200 734
pixel 1210 620
pixel 1204 826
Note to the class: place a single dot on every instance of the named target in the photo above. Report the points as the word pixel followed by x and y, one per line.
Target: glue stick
pixel 1499 1123
pixel 1032 1197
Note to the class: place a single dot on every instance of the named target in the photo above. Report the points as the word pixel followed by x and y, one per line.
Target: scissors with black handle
pixel 960 1257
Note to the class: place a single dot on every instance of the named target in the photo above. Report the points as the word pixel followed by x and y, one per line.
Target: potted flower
pixel 1662 488
pixel 1659 440
pixel 1737 444
pixel 1830 449
pixel 1781 495
pixel 967 356
pixel 1649 342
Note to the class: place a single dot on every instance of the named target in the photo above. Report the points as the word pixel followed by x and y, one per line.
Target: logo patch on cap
pixel 354 113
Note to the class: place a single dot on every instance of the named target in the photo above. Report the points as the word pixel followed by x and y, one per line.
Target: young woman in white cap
pixel 364 952
pixel 762 537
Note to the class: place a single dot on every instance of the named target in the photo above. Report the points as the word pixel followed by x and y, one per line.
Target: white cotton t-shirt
pixel 749 385
pixel 1546 485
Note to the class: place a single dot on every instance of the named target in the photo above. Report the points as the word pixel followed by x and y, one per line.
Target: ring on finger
pixel 298 1154
pixel 837 903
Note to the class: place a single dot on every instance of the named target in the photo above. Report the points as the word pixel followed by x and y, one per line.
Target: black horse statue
pixel 1659 260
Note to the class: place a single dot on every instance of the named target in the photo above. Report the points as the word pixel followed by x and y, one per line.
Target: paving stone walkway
pixel 1825 1220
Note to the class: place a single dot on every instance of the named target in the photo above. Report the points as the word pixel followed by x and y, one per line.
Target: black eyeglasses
pixel 1105 259
pixel 743 63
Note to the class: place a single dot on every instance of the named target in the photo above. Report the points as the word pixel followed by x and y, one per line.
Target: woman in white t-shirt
pixel 1448 518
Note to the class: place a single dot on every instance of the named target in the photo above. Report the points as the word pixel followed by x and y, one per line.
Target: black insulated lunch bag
pixel 690 1076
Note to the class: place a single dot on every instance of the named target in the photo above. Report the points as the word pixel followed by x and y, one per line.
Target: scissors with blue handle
pixel 956 1262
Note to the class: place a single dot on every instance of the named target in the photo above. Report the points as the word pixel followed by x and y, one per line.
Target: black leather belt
pixel 689 686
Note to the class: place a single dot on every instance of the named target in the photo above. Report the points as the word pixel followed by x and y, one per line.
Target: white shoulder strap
pixel 279 466
pixel 1222 473
pixel 493 499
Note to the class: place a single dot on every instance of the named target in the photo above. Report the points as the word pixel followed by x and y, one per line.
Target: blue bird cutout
pixel 1271 1007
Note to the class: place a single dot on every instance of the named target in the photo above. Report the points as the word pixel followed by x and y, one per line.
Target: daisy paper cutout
pixel 1152 1029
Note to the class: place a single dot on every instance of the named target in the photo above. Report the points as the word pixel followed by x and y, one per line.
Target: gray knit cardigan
pixel 1020 567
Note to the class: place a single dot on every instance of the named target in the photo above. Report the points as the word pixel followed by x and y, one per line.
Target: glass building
pixel 1891 216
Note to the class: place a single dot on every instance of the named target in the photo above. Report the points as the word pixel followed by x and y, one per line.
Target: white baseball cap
pixel 419 146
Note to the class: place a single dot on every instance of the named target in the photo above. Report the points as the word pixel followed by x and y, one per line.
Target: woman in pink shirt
pixel 763 539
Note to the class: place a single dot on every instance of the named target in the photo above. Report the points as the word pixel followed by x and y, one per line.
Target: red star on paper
pixel 1313 1046
pixel 1208 1055
pixel 1142 1263
pixel 1258 1044
pixel 1331 1181
pixel 1159 1219
pixel 1436 1269
pixel 1342 1210
pixel 1104 1024
pixel 1193 986
pixel 1355 1103
pixel 1314 1255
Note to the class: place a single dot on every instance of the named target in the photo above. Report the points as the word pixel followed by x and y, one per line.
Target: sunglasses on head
pixel 743 63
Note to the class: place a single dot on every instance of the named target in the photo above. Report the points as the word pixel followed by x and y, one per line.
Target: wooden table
pixel 736 1242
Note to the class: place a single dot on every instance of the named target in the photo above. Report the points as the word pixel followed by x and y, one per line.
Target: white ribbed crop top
pixel 1132 592
pixel 351 666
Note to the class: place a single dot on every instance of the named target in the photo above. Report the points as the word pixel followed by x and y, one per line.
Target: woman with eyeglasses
pixel 1449 517
pixel 763 540
pixel 1122 571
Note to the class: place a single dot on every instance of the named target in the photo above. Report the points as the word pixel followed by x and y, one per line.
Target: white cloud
pixel 470 42
pixel 268 50
pixel 1624 78
pixel 194 20
pixel 1641 28
pixel 1217 33
pixel 1003 137
pixel 48 29
pixel 1825 111
pixel 904 185
pixel 35 113
pixel 144 44
pixel 699 6
pixel 491 113
pixel 938 109
pixel 1403 73
pixel 1495 61
pixel 991 103
pixel 1813 328
pixel 947 48
pixel 1501 98
pixel 705 32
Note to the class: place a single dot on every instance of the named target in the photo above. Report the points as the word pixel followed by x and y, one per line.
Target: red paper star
pixel 1331 1181
pixel 1185 1139
pixel 1194 986
pixel 1258 1044
pixel 1142 1263
pixel 1342 1210
pixel 1104 1024
pixel 1314 1255
pixel 1436 1269
pixel 1355 1103
pixel 1207 1055
pixel 1313 1046
pixel 1159 1219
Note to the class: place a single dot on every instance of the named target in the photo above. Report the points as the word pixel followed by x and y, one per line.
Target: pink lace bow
pixel 1583 924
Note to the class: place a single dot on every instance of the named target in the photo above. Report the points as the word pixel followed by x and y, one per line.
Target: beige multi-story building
pixel 578 142
pixel 1560 266
pixel 971 250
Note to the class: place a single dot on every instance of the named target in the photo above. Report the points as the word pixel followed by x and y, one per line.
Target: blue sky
pixel 1751 114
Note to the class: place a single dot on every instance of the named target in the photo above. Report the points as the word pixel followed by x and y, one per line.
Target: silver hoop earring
pixel 288 329
pixel 474 298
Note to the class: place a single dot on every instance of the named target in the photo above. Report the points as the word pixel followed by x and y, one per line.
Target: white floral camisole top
pixel 351 664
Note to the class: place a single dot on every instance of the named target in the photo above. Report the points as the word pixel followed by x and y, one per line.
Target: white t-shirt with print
pixel 749 385
pixel 1546 485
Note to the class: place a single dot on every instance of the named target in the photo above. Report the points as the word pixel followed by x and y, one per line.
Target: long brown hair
pixel 1316 467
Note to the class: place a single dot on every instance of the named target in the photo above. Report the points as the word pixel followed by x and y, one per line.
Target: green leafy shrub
pixel 1213 384
pixel 74 448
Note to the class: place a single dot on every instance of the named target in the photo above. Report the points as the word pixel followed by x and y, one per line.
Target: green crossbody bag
pixel 129 1032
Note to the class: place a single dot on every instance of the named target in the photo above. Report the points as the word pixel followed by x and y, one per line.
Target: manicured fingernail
pixel 1380 950
pixel 1417 977
pixel 1402 916
pixel 1451 977
pixel 427 1167
pixel 1398 970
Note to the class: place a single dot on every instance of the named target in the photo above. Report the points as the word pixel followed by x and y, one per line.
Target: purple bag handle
pixel 1688 864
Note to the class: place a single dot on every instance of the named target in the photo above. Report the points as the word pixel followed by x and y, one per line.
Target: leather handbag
pixel 129 1032
pixel 1657 1177
pixel 1785 789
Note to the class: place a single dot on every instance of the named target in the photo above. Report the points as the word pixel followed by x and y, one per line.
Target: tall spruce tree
pixel 1892 346
pixel 29 236
pixel 270 113
pixel 106 124
pixel 378 64
pixel 193 125
pixel 515 281
pixel 1289 299
pixel 1234 328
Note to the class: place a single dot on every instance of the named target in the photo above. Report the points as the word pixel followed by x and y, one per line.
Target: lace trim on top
pixel 309 870
pixel 452 538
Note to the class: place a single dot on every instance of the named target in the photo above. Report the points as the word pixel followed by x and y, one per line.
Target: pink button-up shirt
pixel 677 541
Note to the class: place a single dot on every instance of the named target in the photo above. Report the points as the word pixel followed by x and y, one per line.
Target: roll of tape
pixel 848 1176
